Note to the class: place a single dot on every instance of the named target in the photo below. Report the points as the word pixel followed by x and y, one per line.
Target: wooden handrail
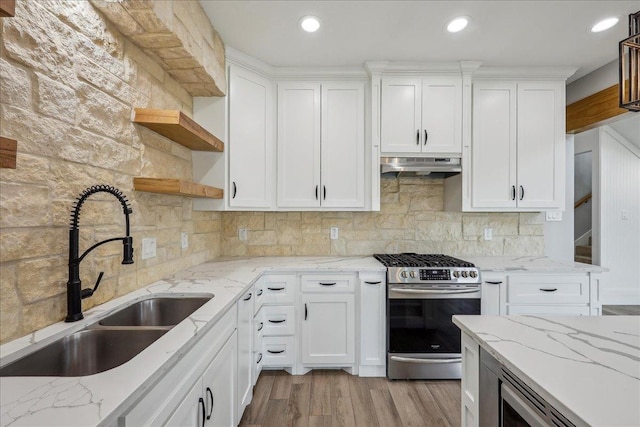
pixel 582 201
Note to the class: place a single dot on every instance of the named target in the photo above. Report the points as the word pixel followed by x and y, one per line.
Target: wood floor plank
pixel 320 421
pixel 432 414
pixel 365 414
pixel 257 409
pixel 281 387
pixel 320 393
pixel 342 415
pixel 447 396
pixel 302 379
pixel 386 411
pixel 340 383
pixel 408 403
pixel 276 413
pixel 298 410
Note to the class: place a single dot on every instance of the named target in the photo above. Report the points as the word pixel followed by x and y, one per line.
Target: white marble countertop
pixel 98 399
pixel 534 264
pixel 587 367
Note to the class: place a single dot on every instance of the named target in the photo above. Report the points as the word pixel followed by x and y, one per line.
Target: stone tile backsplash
pixel 69 82
pixel 411 219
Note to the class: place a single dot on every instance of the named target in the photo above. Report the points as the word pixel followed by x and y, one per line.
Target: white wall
pixel 602 78
pixel 558 235
pixel 619 218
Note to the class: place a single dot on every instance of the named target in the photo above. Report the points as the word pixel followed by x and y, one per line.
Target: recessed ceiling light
pixel 603 25
pixel 310 24
pixel 457 24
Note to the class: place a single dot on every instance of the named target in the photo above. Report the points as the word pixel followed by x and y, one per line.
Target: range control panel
pixel 432 275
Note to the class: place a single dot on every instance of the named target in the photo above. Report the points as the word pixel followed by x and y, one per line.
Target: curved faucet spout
pixel 75 293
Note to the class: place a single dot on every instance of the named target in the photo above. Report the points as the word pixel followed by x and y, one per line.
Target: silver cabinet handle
pixel 432 291
pixel 425 361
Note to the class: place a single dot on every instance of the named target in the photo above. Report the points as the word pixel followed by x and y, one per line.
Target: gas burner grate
pixel 420 260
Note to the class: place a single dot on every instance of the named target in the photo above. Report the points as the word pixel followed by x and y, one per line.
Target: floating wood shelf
pixel 176 187
pixel 8 149
pixel 7 8
pixel 176 126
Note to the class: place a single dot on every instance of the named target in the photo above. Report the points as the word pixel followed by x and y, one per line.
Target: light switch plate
pixel 148 247
pixel 334 233
pixel 185 240
pixel 553 215
pixel 488 233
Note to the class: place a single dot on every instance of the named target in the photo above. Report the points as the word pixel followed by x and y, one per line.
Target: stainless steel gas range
pixel 423 293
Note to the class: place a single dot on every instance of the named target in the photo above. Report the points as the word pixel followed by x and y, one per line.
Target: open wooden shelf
pixel 176 187
pixel 176 126
pixel 8 150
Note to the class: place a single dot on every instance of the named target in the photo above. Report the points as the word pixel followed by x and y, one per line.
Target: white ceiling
pixel 501 33
pixel 629 128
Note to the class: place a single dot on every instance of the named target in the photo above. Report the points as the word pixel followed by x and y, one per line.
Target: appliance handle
pixel 425 361
pixel 523 409
pixel 433 291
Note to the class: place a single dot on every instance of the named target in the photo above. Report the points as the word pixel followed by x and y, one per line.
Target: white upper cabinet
pixel 421 115
pixel 298 144
pixel 518 146
pixel 251 147
pixel 321 145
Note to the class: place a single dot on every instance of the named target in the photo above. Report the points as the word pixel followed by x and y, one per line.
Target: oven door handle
pixel 425 361
pixel 433 291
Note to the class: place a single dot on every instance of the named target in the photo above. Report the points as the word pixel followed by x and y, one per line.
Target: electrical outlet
pixel 185 240
pixel 488 233
pixel 554 215
pixel 334 233
pixel 148 247
pixel 242 234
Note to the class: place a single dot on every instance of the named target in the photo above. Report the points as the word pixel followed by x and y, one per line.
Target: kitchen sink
pixel 156 311
pixel 83 353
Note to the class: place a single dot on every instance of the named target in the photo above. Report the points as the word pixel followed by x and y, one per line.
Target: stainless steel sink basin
pixel 157 311
pixel 83 353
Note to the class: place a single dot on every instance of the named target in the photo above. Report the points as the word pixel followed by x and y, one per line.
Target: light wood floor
pixel 621 310
pixel 334 398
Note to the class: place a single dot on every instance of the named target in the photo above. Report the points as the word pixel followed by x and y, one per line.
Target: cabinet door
pixel 400 116
pixel 442 115
pixel 219 389
pixel 372 319
pixel 493 288
pixel 342 141
pixel 541 142
pixel 493 151
pixel 298 145
pixel 250 140
pixel 192 411
pixel 328 329
pixel 245 351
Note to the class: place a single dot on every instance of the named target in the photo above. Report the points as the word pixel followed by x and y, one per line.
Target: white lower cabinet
pixel 245 351
pixel 493 290
pixel 328 329
pixel 470 382
pixel 372 324
pixel 211 401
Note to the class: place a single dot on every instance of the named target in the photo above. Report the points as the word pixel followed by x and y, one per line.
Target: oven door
pixel 422 341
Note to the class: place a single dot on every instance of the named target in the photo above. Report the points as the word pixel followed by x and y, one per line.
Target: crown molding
pixel 515 73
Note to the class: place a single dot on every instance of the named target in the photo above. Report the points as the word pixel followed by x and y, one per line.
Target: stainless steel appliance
pixel 423 293
pixel 506 401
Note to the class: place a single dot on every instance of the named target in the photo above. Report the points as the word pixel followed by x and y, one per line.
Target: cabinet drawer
pixel 328 282
pixel 277 320
pixel 274 289
pixel 549 310
pixel 278 351
pixel 548 290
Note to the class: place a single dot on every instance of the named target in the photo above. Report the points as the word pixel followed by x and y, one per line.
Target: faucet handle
pixel 86 293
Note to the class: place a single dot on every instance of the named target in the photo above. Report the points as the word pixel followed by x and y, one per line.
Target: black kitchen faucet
pixel 75 293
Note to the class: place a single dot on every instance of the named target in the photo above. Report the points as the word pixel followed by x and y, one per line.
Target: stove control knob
pixel 412 274
pixel 465 274
pixel 456 273
pixel 473 274
pixel 403 274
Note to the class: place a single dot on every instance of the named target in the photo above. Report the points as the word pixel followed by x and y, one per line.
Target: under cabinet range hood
pixel 421 165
